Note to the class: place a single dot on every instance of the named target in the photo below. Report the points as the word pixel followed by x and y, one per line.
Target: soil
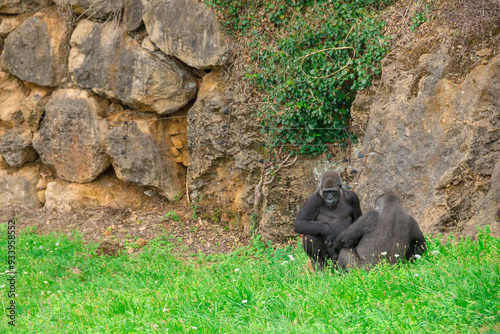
pixel 117 229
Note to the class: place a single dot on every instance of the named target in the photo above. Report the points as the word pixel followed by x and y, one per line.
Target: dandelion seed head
pixel 383 253
pixel 417 256
pixel 396 255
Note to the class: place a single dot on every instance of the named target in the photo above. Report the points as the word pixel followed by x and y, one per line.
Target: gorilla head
pixel 330 188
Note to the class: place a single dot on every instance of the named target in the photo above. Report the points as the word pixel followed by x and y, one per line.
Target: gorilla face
pixel 331 196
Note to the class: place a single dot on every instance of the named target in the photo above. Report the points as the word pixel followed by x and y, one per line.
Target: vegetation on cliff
pixel 308 60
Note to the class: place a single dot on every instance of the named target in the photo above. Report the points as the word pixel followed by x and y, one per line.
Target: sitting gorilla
pixel 327 212
pixel 385 232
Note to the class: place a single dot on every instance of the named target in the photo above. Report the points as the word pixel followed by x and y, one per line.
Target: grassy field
pixel 453 288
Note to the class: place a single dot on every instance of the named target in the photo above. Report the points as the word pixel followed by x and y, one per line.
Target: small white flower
pixel 25 272
pixel 284 262
pixel 3 286
pixel 155 325
pixel 417 256
pixel 49 292
pixel 165 309
pixel 237 269
pixel 244 301
pixel 194 327
pixel 396 255
pixel 416 275
pixel 57 243
pixel 383 253
pixel 45 282
pixel 291 257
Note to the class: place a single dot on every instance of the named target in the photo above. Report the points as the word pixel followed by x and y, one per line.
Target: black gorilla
pixel 327 212
pixel 385 232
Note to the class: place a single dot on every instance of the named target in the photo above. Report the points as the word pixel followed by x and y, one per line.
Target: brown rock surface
pixel 16 148
pixel 106 191
pixel 189 31
pixel 115 65
pixel 19 186
pixel 140 148
pixel 70 135
pixel 9 23
pixel 12 95
pixel 33 106
pixel 440 142
pixel 37 50
pixel 22 6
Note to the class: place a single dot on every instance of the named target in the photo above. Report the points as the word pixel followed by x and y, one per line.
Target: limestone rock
pixel 33 106
pixel 12 95
pixel 115 65
pixel 109 246
pixel 19 187
pixel 70 134
pixel 189 31
pixel 140 152
pixel 37 50
pixel 22 6
pixel 10 23
pixel 104 9
pixel 16 148
pixel 440 142
pixel 106 191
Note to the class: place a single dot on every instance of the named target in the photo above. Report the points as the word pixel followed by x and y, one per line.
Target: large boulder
pixel 19 186
pixel 69 138
pixel 22 6
pixel 16 148
pixel 439 140
pixel 106 191
pixel 189 31
pixel 37 50
pixel 142 150
pixel 12 95
pixel 115 65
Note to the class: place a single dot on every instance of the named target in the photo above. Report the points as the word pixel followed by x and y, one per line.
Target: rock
pixel 33 106
pixel 70 135
pixel 483 52
pixel 10 23
pixel 109 246
pixel 145 157
pixel 141 242
pixel 186 29
pixel 106 191
pixel 12 95
pixel 37 50
pixel 22 6
pixel 130 250
pixel 115 65
pixel 148 45
pixel 439 140
pixel 106 9
pixel 19 187
pixel 16 148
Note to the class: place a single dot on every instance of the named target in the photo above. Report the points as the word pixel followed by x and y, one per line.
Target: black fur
pixel 385 232
pixel 318 218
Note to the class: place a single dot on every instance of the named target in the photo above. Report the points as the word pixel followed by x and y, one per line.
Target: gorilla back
pixel 387 232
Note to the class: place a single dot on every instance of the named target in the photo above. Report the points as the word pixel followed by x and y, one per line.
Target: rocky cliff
pixel 107 103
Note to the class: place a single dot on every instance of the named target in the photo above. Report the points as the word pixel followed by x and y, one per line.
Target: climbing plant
pixel 307 62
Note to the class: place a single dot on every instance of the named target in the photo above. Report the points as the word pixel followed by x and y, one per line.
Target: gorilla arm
pixel 353 200
pixel 353 234
pixel 417 243
pixel 305 222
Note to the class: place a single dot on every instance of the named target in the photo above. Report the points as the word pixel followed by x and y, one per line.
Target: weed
pixel 172 216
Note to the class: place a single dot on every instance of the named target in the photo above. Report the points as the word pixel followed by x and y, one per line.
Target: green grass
pixel 453 288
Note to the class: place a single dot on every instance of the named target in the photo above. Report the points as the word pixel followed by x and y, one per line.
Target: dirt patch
pixel 122 228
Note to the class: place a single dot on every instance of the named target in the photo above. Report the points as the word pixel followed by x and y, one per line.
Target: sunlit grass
pixel 453 288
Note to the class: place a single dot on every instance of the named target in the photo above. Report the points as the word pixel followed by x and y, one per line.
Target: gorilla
pixel 327 212
pixel 387 232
